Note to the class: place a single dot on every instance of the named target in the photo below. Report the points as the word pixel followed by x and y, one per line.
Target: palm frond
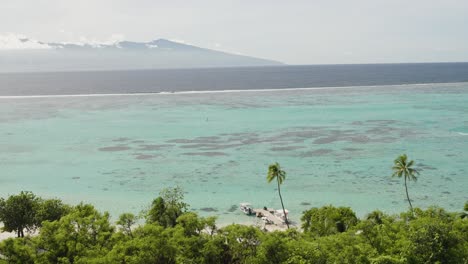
pixel 275 172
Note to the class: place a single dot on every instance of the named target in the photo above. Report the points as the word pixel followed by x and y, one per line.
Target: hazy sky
pixel 294 31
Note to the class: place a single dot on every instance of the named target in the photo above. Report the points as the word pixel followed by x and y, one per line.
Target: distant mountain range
pixel 123 55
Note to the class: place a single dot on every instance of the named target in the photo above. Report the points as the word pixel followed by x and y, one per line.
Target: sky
pixel 294 31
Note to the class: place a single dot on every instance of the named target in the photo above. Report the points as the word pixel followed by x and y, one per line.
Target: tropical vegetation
pixel 168 232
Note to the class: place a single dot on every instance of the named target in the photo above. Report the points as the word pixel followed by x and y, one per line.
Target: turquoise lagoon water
pixel 336 144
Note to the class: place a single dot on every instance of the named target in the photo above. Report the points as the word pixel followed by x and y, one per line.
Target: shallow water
pixel 337 146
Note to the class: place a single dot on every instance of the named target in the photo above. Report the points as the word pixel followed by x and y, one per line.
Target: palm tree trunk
pixel 282 205
pixel 407 196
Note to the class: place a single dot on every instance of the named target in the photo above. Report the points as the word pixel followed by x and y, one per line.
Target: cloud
pixel 112 40
pixel 11 41
pixel 181 41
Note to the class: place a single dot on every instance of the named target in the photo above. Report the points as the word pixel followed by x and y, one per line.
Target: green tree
pixel 191 223
pixel 380 231
pixel 216 250
pixel 242 242
pixel 126 222
pixel 51 210
pixel 167 207
pixel 210 225
pixel 331 235
pixel 18 212
pixel 432 240
pixel 328 220
pixel 83 233
pixel 150 244
pixel 404 168
pixel 276 173
pixel 376 217
pixel 19 250
pixel 387 260
pixel 345 248
pixel 157 212
pixel 273 249
pixel 303 250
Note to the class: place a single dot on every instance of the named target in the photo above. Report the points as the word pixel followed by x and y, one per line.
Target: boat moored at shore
pixel 247 208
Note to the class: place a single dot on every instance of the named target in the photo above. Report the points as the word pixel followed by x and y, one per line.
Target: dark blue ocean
pixel 276 77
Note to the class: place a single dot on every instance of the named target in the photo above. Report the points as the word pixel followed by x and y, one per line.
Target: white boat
pixel 247 209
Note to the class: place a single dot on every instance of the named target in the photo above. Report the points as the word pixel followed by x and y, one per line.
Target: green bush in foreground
pixel 27 211
pixel 82 234
pixel 328 220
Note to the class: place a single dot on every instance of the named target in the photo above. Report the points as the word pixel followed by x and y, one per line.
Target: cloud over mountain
pixel 18 53
pixel 11 41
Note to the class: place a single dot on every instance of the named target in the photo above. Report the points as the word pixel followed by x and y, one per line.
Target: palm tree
pixel 275 172
pixel 404 168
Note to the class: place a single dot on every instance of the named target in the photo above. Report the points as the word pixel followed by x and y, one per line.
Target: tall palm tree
pixel 404 168
pixel 275 172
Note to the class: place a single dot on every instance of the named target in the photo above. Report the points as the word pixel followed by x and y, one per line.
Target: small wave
pixel 416 85
pixel 463 134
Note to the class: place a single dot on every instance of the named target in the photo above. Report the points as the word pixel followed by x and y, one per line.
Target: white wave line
pixel 416 85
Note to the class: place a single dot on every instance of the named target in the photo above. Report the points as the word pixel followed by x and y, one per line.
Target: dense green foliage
pixel 328 220
pixel 167 207
pixel 331 235
pixel 17 212
pixel 26 211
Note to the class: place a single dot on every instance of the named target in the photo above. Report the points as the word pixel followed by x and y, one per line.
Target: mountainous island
pixel 123 55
